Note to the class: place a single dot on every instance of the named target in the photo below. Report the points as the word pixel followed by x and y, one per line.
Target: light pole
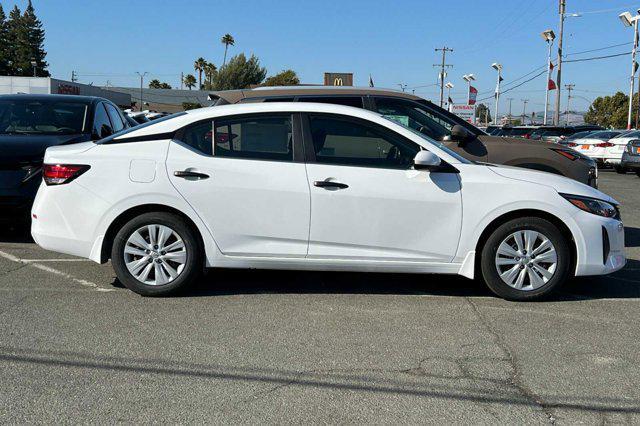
pixel 469 78
pixel 628 21
pixel 548 36
pixel 449 86
pixel 563 15
pixel 141 83
pixel 496 66
pixel 34 64
pixel 524 110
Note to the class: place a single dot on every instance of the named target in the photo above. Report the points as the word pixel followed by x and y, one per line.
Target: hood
pixel 560 183
pixel 30 148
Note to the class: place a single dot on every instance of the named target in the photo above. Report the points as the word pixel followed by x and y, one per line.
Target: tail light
pixel 566 153
pixel 572 144
pixel 604 144
pixel 527 136
pixel 59 174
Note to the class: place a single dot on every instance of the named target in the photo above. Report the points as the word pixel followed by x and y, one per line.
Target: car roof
pixel 234 96
pixel 33 97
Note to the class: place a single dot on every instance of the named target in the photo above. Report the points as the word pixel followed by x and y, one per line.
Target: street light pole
pixel 548 36
pixel 556 114
pixel 34 64
pixel 469 78
pixel 629 20
pixel 498 68
pixel 141 84
pixel 524 110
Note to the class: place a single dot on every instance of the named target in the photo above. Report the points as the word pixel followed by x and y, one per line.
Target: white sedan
pixel 315 187
pixel 601 145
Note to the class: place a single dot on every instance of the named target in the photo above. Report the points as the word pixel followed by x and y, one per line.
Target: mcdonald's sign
pixel 338 79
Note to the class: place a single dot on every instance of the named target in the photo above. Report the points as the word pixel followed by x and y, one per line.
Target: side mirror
pixel 426 160
pixel 460 134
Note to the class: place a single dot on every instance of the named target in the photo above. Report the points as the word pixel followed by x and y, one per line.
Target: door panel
pixel 252 207
pixel 384 214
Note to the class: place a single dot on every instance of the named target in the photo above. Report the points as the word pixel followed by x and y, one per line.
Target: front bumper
pixel 601 249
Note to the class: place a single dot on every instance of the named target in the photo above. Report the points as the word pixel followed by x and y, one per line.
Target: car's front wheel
pixel 156 254
pixel 525 259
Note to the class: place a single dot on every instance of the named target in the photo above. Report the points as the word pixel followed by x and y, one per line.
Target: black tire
pixel 638 173
pixel 193 265
pixel 490 272
pixel 620 170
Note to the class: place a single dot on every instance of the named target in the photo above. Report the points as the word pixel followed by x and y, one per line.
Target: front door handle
pixel 189 174
pixel 330 184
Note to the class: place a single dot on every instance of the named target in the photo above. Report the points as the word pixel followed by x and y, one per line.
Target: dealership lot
pixel 249 346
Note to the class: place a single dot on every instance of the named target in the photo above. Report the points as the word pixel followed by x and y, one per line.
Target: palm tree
pixel 189 81
pixel 199 65
pixel 227 40
pixel 209 71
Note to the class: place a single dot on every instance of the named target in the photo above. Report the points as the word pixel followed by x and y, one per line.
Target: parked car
pixel 557 133
pixel 139 116
pixel 517 131
pixel 320 187
pixel 568 139
pixel 631 157
pixel 597 145
pixel 29 124
pixel 613 154
pixel 435 122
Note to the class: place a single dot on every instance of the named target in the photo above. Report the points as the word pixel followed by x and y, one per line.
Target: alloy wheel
pixel 155 254
pixel 526 260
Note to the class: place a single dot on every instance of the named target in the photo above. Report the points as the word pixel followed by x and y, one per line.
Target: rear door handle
pixel 330 184
pixel 189 174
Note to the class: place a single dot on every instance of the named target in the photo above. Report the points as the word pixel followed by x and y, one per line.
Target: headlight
pixel 593 205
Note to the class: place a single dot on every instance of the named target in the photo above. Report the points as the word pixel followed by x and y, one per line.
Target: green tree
pixel 610 111
pixel 227 40
pixel 19 58
pixel 190 81
pixel 198 66
pixel 157 84
pixel 35 40
pixel 481 110
pixel 210 71
pixel 239 73
pixel 284 78
pixel 191 105
pixel 4 49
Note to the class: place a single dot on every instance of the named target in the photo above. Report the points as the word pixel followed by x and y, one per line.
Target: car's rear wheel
pixel 620 170
pixel 525 259
pixel 156 254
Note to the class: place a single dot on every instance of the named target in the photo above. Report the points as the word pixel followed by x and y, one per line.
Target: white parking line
pixel 31 262
pixel 54 260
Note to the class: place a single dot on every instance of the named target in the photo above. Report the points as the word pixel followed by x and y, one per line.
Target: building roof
pixel 170 97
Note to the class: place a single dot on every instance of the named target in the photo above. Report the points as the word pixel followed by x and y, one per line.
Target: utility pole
pixel 638 112
pixel 442 66
pixel 181 80
pixel 524 110
pixel 569 88
pixel 556 114
pixel 74 77
pixel 141 84
pixel 509 115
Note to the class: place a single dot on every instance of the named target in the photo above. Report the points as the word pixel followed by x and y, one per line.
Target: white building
pixel 47 85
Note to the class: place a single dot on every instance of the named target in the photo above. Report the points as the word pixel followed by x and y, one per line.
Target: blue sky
pixel 110 40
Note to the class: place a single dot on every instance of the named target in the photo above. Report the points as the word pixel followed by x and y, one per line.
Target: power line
pixel 598 57
pixel 598 49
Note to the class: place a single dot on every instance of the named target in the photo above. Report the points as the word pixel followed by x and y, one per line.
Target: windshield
pixel 430 141
pixel 42 117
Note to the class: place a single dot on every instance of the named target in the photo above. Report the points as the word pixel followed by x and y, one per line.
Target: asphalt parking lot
pixel 294 347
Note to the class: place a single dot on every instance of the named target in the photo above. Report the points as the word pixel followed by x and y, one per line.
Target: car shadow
pixel 631 236
pixel 15 234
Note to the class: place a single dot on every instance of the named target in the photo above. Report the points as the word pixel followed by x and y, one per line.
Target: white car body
pixel 599 151
pixel 268 214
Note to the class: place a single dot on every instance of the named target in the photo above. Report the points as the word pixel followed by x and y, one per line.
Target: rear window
pixel 110 139
pixel 42 117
